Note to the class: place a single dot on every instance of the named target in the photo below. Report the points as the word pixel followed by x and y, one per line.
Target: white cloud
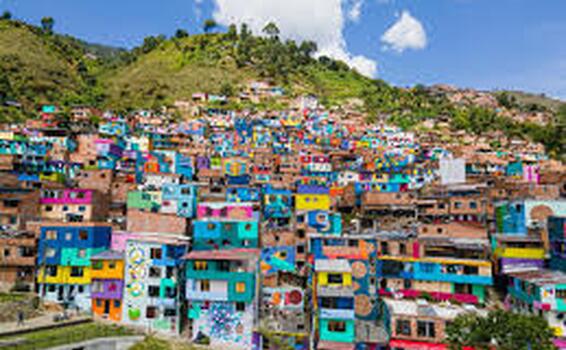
pixel 318 20
pixel 355 10
pixel 406 33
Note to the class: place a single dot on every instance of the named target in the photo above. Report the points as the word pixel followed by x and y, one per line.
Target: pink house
pixel 225 210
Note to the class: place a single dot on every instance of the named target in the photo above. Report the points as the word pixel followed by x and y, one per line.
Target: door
pixel 60 293
pixel 106 307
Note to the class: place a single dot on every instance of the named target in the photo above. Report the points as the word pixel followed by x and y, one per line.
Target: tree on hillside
pixel 561 114
pixel 7 15
pixel 271 30
pixel 209 25
pixel 503 330
pixel 181 33
pixel 245 32
pixel 47 24
pixel 232 33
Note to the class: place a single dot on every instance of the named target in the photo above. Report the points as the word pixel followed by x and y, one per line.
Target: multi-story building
pixel 419 325
pixel 63 261
pixel 222 290
pixel 347 307
pixel 17 260
pixel 107 284
pixel 73 205
pixel 153 282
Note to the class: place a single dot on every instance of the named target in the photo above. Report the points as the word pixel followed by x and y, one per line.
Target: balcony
pixel 348 314
pixel 520 253
pixel 335 291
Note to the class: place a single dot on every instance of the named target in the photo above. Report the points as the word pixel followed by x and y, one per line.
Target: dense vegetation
pixel 501 330
pixel 39 66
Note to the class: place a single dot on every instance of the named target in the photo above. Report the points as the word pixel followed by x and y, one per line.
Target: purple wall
pixel 111 289
pixel 509 263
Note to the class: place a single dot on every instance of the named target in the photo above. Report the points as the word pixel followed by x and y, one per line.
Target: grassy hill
pixel 43 67
pixel 177 68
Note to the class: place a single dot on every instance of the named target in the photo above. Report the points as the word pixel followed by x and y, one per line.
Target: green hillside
pixel 166 70
pixel 38 66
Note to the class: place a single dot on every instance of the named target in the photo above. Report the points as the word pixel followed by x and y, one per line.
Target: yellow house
pixel 107 265
pixel 333 273
pixel 311 202
pixel 57 274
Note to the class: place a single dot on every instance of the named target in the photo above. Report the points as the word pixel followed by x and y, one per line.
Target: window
pixel 427 267
pixel 81 253
pixel 155 272
pixel 97 265
pixel 328 303
pixel 248 227
pixel 169 272
pixel 83 235
pixel 170 292
pixel 211 226
pixel 457 205
pixel 471 270
pixel 112 265
pixel 155 253
pixel 561 293
pixel 153 291
pixel 97 287
pixel 402 249
pixel 51 288
pixel 205 286
pixel 77 271
pixel 6 251
pixel 151 312
pixel 337 326
pixel 48 208
pixel 98 303
pixel 68 236
pixel 51 270
pixel 65 208
pixel 425 329
pixel 223 265
pixel 384 248
pixel 82 208
pixel 335 278
pixel 170 312
pixel 240 307
pixel 117 304
pixel 403 327
pixel 473 205
pixel 407 284
pixel 240 287
pixel 200 265
pixel 300 249
pixel 51 235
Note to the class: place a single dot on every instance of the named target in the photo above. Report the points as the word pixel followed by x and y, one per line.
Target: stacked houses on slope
pixel 298 229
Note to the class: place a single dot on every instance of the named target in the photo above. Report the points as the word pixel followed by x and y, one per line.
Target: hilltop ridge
pixel 39 66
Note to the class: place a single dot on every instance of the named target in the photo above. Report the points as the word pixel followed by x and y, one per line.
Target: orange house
pixel 107 284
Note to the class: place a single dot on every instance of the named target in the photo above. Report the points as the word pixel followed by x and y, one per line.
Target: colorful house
pixel 107 284
pixel 222 291
pixel 152 283
pixel 63 260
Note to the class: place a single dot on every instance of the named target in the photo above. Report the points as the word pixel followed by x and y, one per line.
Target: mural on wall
pixel 136 275
pixel 274 259
pixel 284 298
pixel 137 270
pixel 226 326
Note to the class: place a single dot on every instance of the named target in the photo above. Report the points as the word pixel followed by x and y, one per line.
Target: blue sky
pixel 485 44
